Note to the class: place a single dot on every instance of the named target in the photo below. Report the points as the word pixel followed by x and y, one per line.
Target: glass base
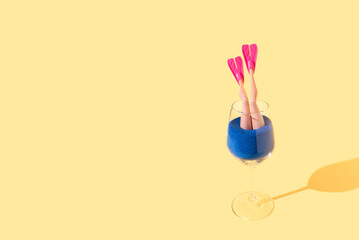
pixel 252 205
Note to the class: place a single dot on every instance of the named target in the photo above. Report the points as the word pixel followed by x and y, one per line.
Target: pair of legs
pixel 251 117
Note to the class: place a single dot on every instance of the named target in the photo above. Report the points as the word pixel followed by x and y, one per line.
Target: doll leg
pixel 257 118
pixel 246 121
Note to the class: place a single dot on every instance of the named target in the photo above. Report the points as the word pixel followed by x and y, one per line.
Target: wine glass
pixel 251 147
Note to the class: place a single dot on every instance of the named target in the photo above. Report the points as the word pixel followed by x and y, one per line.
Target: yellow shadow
pixel 338 177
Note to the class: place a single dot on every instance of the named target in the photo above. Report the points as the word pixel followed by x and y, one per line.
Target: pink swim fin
pixel 236 70
pixel 250 55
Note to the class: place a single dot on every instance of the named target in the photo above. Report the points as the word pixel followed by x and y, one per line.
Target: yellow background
pixel 114 117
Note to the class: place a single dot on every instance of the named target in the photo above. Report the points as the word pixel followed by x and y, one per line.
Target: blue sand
pixel 250 144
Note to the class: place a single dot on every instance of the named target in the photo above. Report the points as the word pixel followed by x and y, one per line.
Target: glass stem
pixel 252 166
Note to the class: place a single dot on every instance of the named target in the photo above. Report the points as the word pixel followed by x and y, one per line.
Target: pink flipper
pixel 250 56
pixel 236 70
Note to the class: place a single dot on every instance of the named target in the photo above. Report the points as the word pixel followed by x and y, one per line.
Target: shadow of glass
pixel 338 177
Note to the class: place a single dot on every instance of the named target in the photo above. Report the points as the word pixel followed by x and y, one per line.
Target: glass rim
pixel 259 100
